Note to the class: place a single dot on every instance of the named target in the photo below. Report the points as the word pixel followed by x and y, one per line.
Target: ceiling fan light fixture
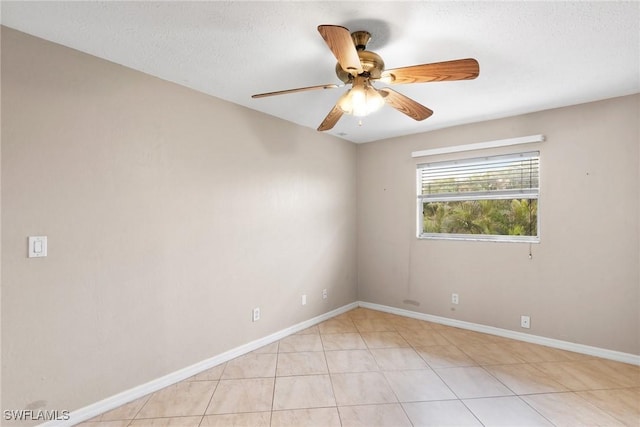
pixel 361 100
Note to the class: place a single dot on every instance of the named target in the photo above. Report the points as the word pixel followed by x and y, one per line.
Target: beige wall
pixel 170 215
pixel 582 284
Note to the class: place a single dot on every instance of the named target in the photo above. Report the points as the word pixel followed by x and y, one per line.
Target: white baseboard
pixel 520 336
pixel 127 396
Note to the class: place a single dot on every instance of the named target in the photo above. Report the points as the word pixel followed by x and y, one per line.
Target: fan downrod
pixel 360 39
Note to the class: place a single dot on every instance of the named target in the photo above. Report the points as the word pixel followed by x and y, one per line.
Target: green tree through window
pixel 515 217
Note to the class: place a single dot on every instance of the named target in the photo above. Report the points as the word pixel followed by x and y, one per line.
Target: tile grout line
pixel 395 329
pixel 148 397
pixel 333 389
pixel 212 394
pixel 501 382
pixel 516 395
pixel 535 410
pixel 275 379
pixel 459 399
pixel 404 411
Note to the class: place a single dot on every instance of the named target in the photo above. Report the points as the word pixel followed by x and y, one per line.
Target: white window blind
pixel 497 177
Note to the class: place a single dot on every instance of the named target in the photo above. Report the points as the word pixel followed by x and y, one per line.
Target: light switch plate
pixel 37 246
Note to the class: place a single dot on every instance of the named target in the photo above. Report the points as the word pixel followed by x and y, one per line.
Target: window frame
pixel 488 195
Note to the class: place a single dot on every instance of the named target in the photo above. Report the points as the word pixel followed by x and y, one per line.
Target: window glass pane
pixel 502 217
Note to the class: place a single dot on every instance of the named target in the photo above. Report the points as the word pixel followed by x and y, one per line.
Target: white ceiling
pixel 533 55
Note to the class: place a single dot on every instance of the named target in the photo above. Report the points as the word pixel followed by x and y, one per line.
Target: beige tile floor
pixel 368 368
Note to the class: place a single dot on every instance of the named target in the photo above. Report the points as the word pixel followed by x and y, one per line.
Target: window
pixel 486 198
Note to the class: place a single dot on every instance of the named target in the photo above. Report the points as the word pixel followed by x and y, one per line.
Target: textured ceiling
pixel 533 55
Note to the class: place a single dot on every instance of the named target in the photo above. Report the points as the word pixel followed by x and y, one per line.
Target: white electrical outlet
pixel 324 294
pixel 255 315
pixel 304 300
pixel 454 299
pixel 525 322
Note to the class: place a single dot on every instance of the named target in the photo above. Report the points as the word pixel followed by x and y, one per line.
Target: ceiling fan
pixel 360 68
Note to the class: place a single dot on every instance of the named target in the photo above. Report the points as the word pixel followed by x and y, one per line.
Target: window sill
pixel 480 238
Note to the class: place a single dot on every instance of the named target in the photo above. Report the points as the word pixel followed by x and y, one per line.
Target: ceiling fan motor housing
pixel 372 63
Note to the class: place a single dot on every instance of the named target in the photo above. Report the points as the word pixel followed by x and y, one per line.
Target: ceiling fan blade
pixel 300 89
pixel 459 69
pixel 341 44
pixel 405 104
pixel 332 118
